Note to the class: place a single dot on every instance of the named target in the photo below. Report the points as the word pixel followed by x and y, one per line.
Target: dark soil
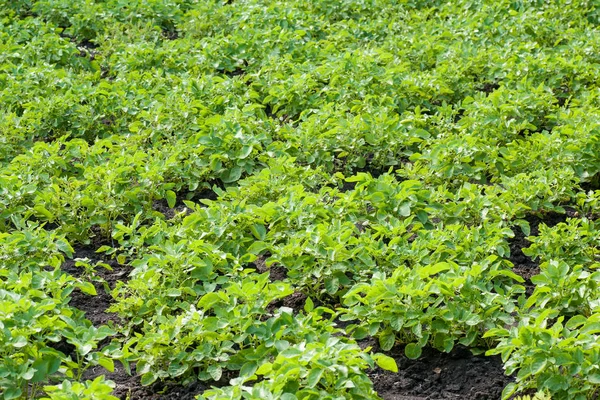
pixel 163 207
pixel 276 272
pixel 87 44
pixel 95 306
pixel 436 375
pixel 374 170
pixel 105 73
pixel 170 34
pixel 283 119
pixel 169 213
pixel 523 265
pixel 591 184
pixel 129 386
pixel 489 87
pixel 236 72
pixel 64 347
pixel 295 300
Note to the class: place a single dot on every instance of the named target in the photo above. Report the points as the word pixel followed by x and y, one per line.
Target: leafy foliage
pixel 375 159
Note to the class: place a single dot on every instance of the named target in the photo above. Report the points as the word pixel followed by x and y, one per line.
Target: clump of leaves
pixel 326 368
pixel 551 353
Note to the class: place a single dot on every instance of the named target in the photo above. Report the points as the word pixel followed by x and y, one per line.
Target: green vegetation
pixel 382 154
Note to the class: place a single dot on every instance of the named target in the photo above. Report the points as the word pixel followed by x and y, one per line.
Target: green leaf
pixel 103 249
pixel 232 175
pixel 528 251
pixel 248 369
pixel 45 366
pixel 259 231
pixel 171 198
pixel 429 270
pixel 377 198
pixel 309 305
pixel 264 369
pixel 422 216
pixel 387 339
pixel 386 362
pixel 107 363
pixel 65 247
pixel 332 284
pixel 12 393
pixel 87 288
pixel 257 247
pixel 448 344
pixel 404 209
pixel 509 390
pixel 148 378
pixel 371 139
pixel 215 372
pixel 538 364
pixel 556 383
pixel 314 377
pixel 374 328
pixel 575 322
pixel 245 152
pixel 360 333
pixel 594 378
pixel 359 177
pixel 21 341
pixel 41 210
pixel 524 225
pixel 412 351
pixel 28 375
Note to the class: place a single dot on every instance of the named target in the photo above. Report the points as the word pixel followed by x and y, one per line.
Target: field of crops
pixel 304 199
